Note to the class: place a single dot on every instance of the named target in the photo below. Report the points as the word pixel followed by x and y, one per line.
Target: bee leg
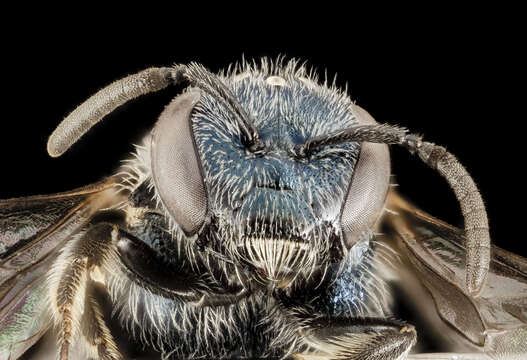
pixel 67 301
pixel 221 299
pixel 96 332
pixel 68 279
pixel 354 339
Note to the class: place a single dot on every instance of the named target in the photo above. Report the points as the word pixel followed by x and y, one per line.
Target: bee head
pixel 268 166
pixel 225 166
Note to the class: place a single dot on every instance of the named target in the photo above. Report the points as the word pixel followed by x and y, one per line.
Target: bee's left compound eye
pixel 367 191
pixel 175 164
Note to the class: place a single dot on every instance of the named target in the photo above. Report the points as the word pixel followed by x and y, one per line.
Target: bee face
pixel 273 210
pixel 258 202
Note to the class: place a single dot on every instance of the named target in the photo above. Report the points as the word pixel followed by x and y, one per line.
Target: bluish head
pixel 279 213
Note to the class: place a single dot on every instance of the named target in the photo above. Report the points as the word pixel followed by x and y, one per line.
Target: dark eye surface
pixel 366 194
pixel 175 165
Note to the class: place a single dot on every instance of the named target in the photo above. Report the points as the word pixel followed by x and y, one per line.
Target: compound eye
pixel 175 164
pixel 367 191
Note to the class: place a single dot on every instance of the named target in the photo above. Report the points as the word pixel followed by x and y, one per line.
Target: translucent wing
pixel 32 229
pixel 495 322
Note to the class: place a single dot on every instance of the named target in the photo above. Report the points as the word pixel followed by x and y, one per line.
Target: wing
pixel 495 322
pixel 32 229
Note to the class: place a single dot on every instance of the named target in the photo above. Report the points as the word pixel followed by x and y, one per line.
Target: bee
pixel 256 220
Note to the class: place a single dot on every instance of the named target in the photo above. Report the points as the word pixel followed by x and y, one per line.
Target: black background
pixel 457 78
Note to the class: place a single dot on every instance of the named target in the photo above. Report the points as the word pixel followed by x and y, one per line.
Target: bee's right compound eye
pixel 175 164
